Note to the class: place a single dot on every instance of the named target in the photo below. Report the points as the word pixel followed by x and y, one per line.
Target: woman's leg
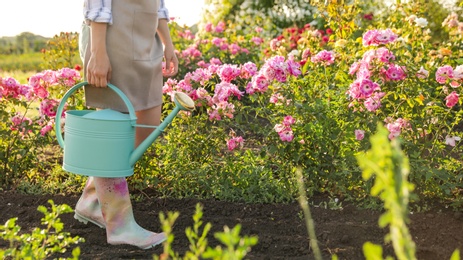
pixel 150 116
pixel 114 198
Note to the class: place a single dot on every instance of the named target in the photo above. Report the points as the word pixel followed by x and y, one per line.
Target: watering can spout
pixel 183 102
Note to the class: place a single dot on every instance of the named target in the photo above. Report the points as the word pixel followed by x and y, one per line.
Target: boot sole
pixel 160 241
pixel 154 245
pixel 85 220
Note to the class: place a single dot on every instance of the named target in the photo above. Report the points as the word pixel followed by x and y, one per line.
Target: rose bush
pixel 353 78
pixel 28 113
pixel 305 98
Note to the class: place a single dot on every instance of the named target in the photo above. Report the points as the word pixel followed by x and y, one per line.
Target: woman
pixel 124 42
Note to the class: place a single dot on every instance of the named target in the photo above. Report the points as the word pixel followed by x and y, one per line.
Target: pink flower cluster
pixel 290 38
pixel 364 89
pixel 42 81
pixel 48 107
pixel 187 34
pixel 37 89
pixel 10 88
pixel 193 52
pixel 223 45
pixel 21 123
pixel 284 129
pixel 324 57
pixel 452 21
pixel 257 40
pixel 379 37
pixel 444 74
pixel 368 91
pixel 218 104
pixel 235 142
pixel 278 99
pixel 454 77
pixel 220 28
pixel 275 68
pixel 228 72
pixel 395 126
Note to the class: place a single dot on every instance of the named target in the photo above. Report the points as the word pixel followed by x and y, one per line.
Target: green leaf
pixel 385 219
pixel 372 251
pixel 42 209
pixel 305 68
pixel 410 103
pixel 455 255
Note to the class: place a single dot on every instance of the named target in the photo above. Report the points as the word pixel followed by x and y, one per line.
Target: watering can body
pixel 97 147
pixel 101 143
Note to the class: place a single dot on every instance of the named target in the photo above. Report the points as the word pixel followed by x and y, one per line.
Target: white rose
pixel 421 22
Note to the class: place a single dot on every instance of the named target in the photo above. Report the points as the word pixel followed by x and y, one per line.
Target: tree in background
pixel 25 42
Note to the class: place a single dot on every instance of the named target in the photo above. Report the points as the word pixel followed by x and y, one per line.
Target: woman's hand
pixel 171 62
pixel 99 69
pixel 99 66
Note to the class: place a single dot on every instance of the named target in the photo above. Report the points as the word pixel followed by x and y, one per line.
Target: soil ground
pixel 279 227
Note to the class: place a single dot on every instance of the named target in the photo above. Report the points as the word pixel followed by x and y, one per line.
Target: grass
pixel 21 76
pixel 22 62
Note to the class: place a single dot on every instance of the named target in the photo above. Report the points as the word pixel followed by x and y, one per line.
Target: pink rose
pixel 443 73
pixel 286 135
pixel 325 57
pixel 452 99
pixel 288 120
pixel 41 92
pixel 235 142
pixel 46 129
pixel 359 134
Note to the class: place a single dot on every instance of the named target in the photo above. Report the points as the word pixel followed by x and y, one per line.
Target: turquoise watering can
pixel 101 142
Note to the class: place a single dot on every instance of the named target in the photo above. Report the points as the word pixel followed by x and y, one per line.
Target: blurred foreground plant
pixel 236 247
pixel 388 166
pixel 40 243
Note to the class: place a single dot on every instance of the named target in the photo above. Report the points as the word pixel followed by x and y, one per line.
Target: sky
pixel 50 17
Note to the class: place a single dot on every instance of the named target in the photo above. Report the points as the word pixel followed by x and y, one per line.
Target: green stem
pixel 326 76
pixel 307 215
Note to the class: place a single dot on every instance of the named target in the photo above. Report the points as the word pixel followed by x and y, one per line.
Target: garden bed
pixel 280 227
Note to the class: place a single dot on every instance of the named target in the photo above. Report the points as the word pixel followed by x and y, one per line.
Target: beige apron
pixel 135 52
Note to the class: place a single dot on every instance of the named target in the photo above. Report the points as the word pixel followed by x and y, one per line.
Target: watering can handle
pixel 59 111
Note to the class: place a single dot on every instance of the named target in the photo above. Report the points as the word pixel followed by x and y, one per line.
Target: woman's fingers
pixel 171 67
pixel 99 75
pixel 97 80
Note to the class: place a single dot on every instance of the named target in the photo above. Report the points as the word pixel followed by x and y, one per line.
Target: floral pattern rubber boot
pixel 88 207
pixel 121 227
